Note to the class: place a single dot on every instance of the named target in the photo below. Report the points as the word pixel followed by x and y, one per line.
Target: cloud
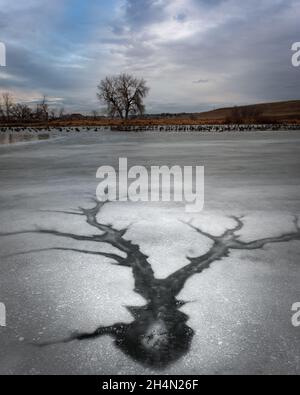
pixel 201 81
pixel 233 52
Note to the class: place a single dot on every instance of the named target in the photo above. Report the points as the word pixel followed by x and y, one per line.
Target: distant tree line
pixel 11 111
pixel 14 112
pixel 245 115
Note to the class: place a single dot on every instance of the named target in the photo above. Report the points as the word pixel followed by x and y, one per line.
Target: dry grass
pixel 281 112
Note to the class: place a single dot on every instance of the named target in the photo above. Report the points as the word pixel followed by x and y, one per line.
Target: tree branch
pixel 102 331
pixel 119 259
pixel 221 249
pixel 53 233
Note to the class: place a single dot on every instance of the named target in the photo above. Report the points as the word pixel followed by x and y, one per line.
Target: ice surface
pixel 240 309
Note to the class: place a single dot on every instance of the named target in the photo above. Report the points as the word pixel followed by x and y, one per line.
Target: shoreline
pixel 15 137
pixel 153 128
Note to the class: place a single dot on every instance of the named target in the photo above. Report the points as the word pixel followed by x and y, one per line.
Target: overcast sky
pixel 195 54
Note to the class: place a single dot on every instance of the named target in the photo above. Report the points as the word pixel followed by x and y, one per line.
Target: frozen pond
pixel 235 317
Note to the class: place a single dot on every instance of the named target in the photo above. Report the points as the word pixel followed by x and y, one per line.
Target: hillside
pixel 282 112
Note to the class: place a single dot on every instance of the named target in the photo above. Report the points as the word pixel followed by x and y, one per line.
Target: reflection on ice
pixel 7 139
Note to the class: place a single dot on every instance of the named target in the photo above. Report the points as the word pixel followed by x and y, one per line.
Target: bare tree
pixel 42 110
pixel 61 112
pixel 21 112
pixel 123 94
pixel 7 105
pixel 94 114
pixel 53 113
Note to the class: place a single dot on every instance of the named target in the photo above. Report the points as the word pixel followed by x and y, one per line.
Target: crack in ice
pixel 159 334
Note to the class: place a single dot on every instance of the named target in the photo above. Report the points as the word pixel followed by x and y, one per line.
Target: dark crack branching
pixel 159 334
